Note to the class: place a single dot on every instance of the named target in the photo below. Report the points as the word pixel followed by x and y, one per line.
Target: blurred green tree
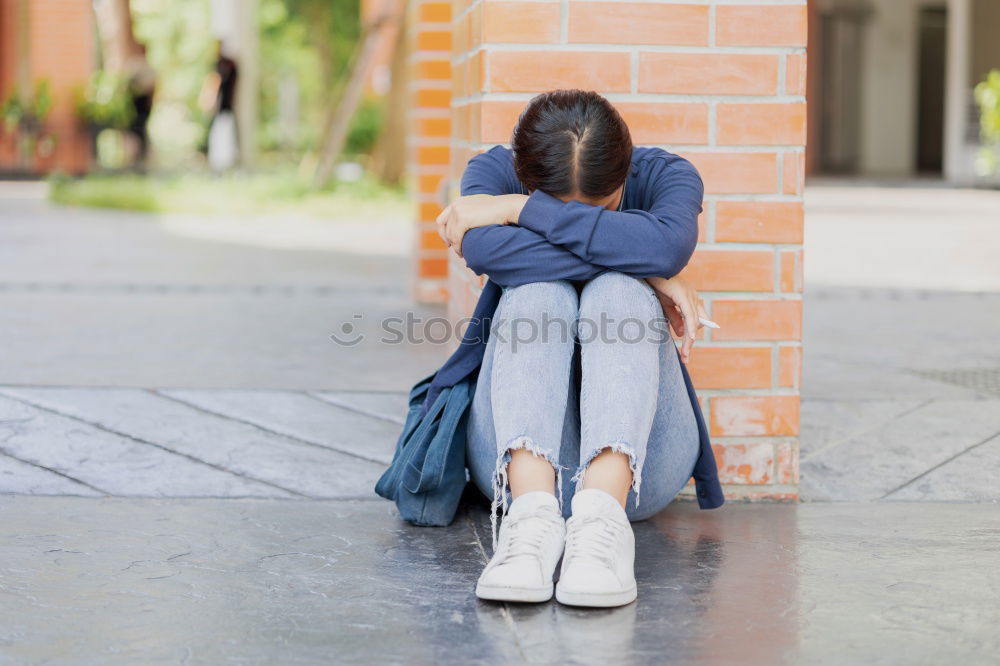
pixel 306 46
pixel 988 97
pixel 179 46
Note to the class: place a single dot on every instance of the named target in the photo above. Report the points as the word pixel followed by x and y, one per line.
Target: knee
pixel 620 296
pixel 544 312
pixel 555 299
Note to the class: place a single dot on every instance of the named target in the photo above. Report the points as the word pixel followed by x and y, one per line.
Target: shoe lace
pixel 594 538
pixel 522 535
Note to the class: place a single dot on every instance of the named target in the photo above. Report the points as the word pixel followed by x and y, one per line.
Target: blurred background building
pixel 890 81
pixel 891 86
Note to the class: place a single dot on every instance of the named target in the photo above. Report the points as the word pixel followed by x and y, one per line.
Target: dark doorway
pixel 933 29
pixel 842 31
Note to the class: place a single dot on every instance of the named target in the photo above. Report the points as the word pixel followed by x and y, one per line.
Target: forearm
pixel 500 236
pixel 640 246
pixel 511 256
pixel 640 243
pixel 515 203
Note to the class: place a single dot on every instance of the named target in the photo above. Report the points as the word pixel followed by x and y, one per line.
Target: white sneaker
pixel 598 565
pixel 528 548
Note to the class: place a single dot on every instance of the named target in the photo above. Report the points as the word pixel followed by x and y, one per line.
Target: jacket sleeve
pixel 512 255
pixel 656 241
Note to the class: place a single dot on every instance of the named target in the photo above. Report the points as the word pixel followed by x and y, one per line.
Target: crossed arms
pixel 551 239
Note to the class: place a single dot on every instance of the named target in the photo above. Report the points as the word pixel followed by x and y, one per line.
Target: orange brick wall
pixel 722 84
pixel 60 47
pixel 430 40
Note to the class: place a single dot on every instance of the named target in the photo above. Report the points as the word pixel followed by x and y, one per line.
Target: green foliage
pixel 24 118
pixel 111 150
pixel 42 101
pixel 286 55
pixel 311 43
pixel 988 98
pixel 365 127
pixel 12 110
pixel 27 114
pixel 180 47
pixel 333 28
pixel 277 192
pixel 126 192
pixel 105 101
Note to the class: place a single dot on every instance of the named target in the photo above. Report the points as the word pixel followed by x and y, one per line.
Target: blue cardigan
pixel 654 235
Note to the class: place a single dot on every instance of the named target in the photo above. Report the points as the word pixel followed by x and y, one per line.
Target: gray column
pixel 957 160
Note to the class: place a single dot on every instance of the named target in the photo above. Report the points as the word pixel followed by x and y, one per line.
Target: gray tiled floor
pixel 112 581
pixel 874 419
pixel 190 452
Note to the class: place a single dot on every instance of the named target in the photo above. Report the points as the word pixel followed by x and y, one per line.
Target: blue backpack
pixel 427 474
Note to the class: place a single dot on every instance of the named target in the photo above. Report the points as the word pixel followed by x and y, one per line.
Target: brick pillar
pixel 428 139
pixel 723 85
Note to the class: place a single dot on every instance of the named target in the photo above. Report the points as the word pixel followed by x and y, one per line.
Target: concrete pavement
pixel 113 581
pixel 901 368
pixel 110 298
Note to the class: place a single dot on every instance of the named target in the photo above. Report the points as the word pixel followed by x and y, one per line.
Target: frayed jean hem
pixel 500 481
pixel 617 447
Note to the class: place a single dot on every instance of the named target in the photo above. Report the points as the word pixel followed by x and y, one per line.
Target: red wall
pixel 60 49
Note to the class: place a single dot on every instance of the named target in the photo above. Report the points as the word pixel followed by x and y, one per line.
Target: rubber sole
pixel 597 599
pixel 526 595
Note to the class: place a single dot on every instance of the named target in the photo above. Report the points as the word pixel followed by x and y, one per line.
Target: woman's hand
pixel 682 307
pixel 477 210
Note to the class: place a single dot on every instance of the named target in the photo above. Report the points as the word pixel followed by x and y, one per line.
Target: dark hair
pixel 571 141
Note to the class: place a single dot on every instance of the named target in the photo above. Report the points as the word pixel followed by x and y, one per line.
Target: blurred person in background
pixel 218 97
pixel 141 86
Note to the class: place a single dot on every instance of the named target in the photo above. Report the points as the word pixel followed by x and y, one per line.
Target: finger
pixel 449 228
pixel 456 237
pixel 702 314
pixel 690 328
pixel 442 225
pixel 676 320
pixel 443 215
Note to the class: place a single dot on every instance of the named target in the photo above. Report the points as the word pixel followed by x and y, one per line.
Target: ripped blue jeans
pixel 572 369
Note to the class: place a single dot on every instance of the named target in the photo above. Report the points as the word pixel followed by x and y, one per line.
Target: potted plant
pixel 24 120
pixel 105 103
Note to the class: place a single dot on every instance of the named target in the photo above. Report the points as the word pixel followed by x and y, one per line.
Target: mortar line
pixel 147 442
pixel 866 430
pixel 265 429
pixel 940 464
pixel 8 454
pixel 315 395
